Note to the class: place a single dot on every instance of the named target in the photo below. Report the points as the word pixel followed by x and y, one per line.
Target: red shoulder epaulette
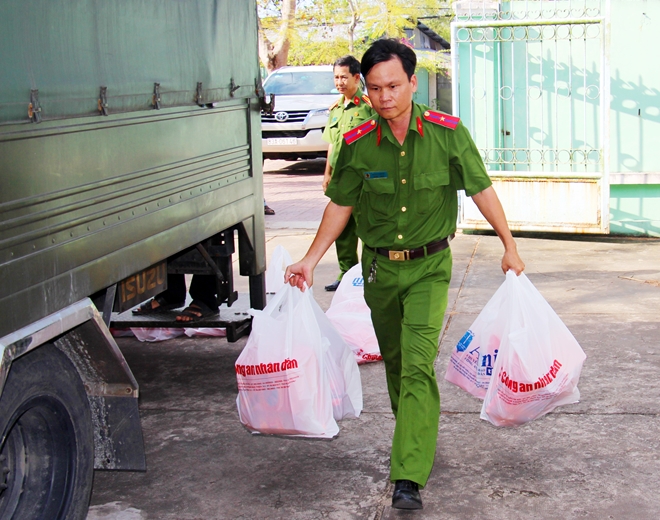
pixel 360 131
pixel 335 104
pixel 442 119
pixel 366 99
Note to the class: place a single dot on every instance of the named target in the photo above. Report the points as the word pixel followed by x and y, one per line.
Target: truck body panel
pixel 88 200
pixel 129 136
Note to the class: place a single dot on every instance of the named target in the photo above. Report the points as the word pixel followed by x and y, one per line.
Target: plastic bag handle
pixel 514 288
pixel 276 268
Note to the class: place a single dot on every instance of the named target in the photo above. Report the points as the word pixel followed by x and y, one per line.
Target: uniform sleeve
pixel 327 132
pixel 465 164
pixel 346 183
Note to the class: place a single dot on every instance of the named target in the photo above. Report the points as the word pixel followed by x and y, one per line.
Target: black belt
pixel 418 252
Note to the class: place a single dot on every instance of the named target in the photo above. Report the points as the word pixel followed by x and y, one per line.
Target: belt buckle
pixel 399 256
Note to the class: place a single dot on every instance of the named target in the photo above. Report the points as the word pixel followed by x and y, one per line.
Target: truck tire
pixel 47 450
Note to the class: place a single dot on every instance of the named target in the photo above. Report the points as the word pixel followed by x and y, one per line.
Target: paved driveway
pixel 597 459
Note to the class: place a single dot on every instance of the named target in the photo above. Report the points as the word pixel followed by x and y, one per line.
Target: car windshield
pixel 301 82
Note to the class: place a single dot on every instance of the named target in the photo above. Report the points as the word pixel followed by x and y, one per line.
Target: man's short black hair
pixel 348 61
pixel 385 50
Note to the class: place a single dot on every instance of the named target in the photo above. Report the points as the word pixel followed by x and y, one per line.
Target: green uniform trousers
pixel 408 301
pixel 346 244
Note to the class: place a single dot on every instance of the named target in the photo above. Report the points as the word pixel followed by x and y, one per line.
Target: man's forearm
pixel 333 223
pixel 328 168
pixel 491 208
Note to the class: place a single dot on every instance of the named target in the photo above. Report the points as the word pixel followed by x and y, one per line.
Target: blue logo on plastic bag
pixel 465 341
pixel 358 282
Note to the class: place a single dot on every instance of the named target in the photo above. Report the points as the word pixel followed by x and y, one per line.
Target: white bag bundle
pixel 351 316
pixel 341 366
pixel 279 260
pixel 538 363
pixel 471 362
pixel 295 375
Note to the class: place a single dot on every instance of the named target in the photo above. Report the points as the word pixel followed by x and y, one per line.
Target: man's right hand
pixel 299 274
pixel 327 172
pixel 332 224
pixel 326 180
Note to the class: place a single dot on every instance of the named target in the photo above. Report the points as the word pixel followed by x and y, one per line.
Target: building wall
pixel 635 209
pixel 634 118
pixel 422 94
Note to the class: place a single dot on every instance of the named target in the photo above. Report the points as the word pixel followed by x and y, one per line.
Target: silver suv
pixel 303 96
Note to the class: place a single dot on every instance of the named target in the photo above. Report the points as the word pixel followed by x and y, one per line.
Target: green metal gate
pixel 530 82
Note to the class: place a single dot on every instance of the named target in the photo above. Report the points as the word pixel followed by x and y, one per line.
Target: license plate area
pixel 282 141
pixel 138 287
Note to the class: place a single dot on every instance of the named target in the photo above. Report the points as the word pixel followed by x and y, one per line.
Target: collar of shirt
pixel 358 94
pixel 414 125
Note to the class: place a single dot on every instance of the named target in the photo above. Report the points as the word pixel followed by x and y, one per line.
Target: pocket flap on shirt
pixel 378 184
pixel 431 179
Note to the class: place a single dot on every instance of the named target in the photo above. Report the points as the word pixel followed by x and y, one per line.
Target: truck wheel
pixel 47 450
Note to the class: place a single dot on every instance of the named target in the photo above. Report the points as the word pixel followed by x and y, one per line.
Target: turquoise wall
pixel 635 209
pixel 634 87
pixel 634 116
pixel 422 94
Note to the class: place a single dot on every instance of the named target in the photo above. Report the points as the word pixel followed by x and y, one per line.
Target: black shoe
pixel 268 210
pixel 406 495
pixel 333 286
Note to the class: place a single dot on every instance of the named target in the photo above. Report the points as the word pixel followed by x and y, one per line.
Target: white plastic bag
pixel 539 361
pixel 156 334
pixel 211 332
pixel 471 362
pixel 341 366
pixel 292 377
pixel 165 333
pixel 279 260
pixel 351 316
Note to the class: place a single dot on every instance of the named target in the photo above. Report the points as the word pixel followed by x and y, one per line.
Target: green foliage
pixel 435 64
pixel 321 32
pixel 324 13
pixel 312 51
pixel 389 18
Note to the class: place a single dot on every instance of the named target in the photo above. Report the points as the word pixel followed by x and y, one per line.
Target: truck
pixel 130 147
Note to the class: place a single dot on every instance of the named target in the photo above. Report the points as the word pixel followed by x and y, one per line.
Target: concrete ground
pixel 598 459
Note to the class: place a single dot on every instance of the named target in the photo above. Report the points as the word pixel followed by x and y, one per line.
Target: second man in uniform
pixel 350 110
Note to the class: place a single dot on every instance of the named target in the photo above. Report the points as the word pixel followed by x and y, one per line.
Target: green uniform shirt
pixel 343 118
pixel 406 195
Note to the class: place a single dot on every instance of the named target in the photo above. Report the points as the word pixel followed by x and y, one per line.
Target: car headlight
pixel 323 112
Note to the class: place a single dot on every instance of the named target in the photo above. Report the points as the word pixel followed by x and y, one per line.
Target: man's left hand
pixel 511 260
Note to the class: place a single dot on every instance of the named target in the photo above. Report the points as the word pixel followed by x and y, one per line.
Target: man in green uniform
pixel 350 110
pixel 401 170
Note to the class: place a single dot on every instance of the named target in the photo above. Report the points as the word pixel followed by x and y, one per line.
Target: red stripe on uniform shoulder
pixel 360 131
pixel 442 119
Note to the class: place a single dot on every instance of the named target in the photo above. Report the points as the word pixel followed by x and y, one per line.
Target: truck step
pixel 235 319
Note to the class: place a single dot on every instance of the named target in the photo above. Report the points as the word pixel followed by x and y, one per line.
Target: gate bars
pixel 530 79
